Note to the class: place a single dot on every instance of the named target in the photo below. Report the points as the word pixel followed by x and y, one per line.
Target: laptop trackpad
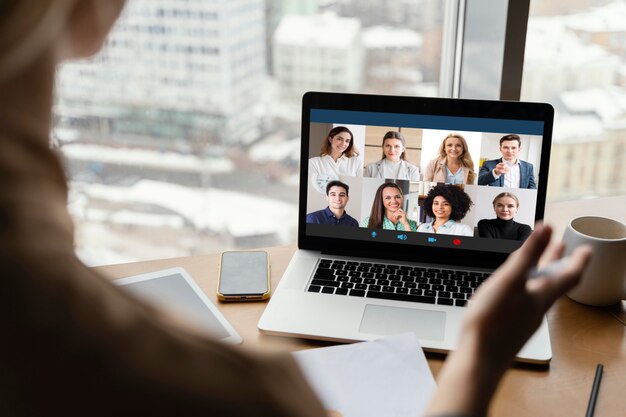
pixel 385 320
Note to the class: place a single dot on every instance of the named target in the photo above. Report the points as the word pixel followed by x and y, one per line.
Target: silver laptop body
pixel 299 309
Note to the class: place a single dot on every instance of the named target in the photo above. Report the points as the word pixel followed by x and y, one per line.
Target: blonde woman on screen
pixel 75 345
pixel 338 156
pixel 454 165
pixel 503 226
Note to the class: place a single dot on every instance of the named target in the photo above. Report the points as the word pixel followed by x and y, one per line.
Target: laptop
pixel 349 282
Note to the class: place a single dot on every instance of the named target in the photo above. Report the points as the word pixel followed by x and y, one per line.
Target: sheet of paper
pixel 387 377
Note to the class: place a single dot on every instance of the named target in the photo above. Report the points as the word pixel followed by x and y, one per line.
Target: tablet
pixel 174 290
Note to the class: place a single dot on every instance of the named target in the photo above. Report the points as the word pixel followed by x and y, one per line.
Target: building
pixel 604 26
pixel 589 147
pixel 557 60
pixel 418 15
pixel 576 62
pixel 393 60
pixel 320 52
pixel 275 10
pixel 186 73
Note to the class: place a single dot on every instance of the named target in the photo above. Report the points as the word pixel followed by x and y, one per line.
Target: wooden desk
pixel 581 336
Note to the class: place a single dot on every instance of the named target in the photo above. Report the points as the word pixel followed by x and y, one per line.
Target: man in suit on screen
pixel 508 171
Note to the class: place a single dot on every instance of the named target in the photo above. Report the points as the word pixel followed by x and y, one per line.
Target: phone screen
pixel 244 274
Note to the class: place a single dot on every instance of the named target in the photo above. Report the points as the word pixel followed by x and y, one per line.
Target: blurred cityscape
pixel 182 136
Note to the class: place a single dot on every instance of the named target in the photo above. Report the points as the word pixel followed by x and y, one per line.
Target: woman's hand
pixel 505 311
pixel 399 216
pixel 509 306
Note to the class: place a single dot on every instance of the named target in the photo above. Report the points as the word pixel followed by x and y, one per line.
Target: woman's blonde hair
pixel 26 27
pixel 506 194
pixel 465 158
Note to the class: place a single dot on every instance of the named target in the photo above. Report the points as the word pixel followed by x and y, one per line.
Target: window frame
pixel 478 48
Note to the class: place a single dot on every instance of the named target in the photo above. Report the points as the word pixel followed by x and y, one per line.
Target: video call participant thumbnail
pixel 503 226
pixel 335 212
pixel 454 164
pixel 448 204
pixel 387 212
pixel 338 156
pixel 393 164
pixel 508 171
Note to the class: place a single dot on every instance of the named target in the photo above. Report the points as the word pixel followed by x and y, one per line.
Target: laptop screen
pixel 422 176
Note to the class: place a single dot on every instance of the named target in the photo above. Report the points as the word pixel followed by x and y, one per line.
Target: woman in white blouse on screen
pixel 338 156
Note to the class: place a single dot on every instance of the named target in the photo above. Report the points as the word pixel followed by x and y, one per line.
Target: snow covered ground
pixel 149 210
pixel 147 158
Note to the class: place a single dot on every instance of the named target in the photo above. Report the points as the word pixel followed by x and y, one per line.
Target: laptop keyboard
pixel 395 282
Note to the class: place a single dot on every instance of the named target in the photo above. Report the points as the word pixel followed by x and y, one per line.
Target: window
pixel 576 60
pixel 182 136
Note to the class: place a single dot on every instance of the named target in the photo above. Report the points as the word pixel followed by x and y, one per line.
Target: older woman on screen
pixel 338 156
pixel 503 226
pixel 393 164
pixel 387 212
pixel 454 165
pixel 447 204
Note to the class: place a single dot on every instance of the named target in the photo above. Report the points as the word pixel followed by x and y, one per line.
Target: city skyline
pixel 200 85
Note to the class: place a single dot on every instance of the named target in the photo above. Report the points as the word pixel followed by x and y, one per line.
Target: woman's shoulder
pixel 354 166
pixel 523 226
pixel 315 161
pixel 408 164
pixel 424 227
pixel 437 162
pixel 463 229
pixel 465 226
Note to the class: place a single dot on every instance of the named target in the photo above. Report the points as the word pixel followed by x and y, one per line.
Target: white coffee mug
pixel 603 282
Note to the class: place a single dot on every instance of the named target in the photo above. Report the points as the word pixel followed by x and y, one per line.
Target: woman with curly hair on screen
pixel 447 204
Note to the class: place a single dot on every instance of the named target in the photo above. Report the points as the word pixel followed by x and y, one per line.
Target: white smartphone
pixel 244 276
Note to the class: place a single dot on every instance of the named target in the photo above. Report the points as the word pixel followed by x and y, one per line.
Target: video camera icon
pixel 432 240
pixel 402 237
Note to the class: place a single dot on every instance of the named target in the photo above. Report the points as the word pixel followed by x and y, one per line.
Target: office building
pixel 575 62
pixel 393 60
pixel 187 74
pixel 320 52
pixel 589 144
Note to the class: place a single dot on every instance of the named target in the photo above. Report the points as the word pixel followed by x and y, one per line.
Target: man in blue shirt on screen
pixel 335 213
